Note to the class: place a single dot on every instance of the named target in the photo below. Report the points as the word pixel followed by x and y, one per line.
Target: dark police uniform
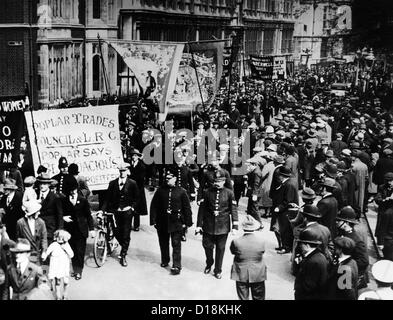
pixel 170 209
pixel 216 210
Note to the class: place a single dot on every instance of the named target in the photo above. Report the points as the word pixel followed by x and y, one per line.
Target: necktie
pixel 19 270
pixel 8 201
pixel 121 184
pixel 42 197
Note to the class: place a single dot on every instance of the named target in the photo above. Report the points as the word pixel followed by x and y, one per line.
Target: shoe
pixel 78 276
pixel 183 238
pixel 207 270
pixel 260 228
pixel 72 274
pixel 278 248
pixel 218 275
pixel 136 229
pixel 175 270
pixel 123 261
pixel 164 265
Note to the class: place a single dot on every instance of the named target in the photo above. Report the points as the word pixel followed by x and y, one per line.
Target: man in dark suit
pixel 254 190
pixel 24 276
pixel 328 205
pixel 51 209
pixel 137 173
pixel 79 223
pixel 33 229
pixel 346 221
pixel 150 84
pixel 311 279
pixel 217 211
pixel 5 260
pixel 11 203
pixel 121 198
pixel 283 196
pixel 170 213
pixel 249 269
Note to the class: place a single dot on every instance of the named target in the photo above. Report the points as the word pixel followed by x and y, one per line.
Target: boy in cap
pixel 33 229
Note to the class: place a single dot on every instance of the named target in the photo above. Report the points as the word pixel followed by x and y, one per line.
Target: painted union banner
pixel 11 129
pixel 154 65
pixel 206 60
pixel 88 137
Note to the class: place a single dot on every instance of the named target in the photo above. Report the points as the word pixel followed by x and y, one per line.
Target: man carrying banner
pixel 121 197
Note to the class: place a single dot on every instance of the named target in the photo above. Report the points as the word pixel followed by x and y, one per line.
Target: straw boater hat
pixel 45 178
pixel 250 224
pixel 22 245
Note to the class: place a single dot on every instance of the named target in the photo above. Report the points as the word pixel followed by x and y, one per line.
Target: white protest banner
pixel 86 136
pixel 279 68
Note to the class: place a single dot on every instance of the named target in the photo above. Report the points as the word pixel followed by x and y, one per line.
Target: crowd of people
pixel 310 162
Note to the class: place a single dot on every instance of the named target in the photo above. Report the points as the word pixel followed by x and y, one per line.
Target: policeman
pixel 170 213
pixel 63 178
pixel 217 211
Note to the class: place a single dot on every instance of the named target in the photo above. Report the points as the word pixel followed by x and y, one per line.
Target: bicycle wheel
pixel 100 249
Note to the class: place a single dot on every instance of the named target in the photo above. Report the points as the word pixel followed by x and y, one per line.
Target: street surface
pixel 144 279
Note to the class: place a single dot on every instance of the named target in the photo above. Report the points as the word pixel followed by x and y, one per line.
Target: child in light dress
pixel 29 193
pixel 60 254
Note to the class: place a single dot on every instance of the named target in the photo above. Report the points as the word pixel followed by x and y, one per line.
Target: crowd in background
pixel 317 161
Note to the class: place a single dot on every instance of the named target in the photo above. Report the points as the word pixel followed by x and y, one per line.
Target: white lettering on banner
pixel 88 137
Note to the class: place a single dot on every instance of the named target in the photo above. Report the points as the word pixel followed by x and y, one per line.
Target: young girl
pixel 29 193
pixel 60 254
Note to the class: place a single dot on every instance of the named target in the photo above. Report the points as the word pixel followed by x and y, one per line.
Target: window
pixel 305 28
pixel 111 10
pixel 286 43
pixel 324 48
pixel 96 9
pixel 268 41
pixel 96 72
pixel 325 17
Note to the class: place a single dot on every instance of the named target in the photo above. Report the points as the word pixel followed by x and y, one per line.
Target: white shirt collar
pixel 344 257
pixel 23 266
pixel 308 253
pixel 44 193
pixel 31 223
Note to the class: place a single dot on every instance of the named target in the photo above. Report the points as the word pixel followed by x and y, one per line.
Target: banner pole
pixel 196 73
pixel 35 134
pixel 103 64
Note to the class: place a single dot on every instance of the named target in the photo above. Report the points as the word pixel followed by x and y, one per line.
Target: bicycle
pixel 105 242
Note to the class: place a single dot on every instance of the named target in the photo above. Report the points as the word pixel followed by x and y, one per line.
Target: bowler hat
pixel 250 224
pixel 73 169
pixel 347 214
pixel 22 245
pixel 342 166
pixel 382 271
pixel 311 210
pixel 308 193
pixel 41 169
pixel 331 170
pixel 309 236
pixel 10 184
pixel 388 176
pixel 311 133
